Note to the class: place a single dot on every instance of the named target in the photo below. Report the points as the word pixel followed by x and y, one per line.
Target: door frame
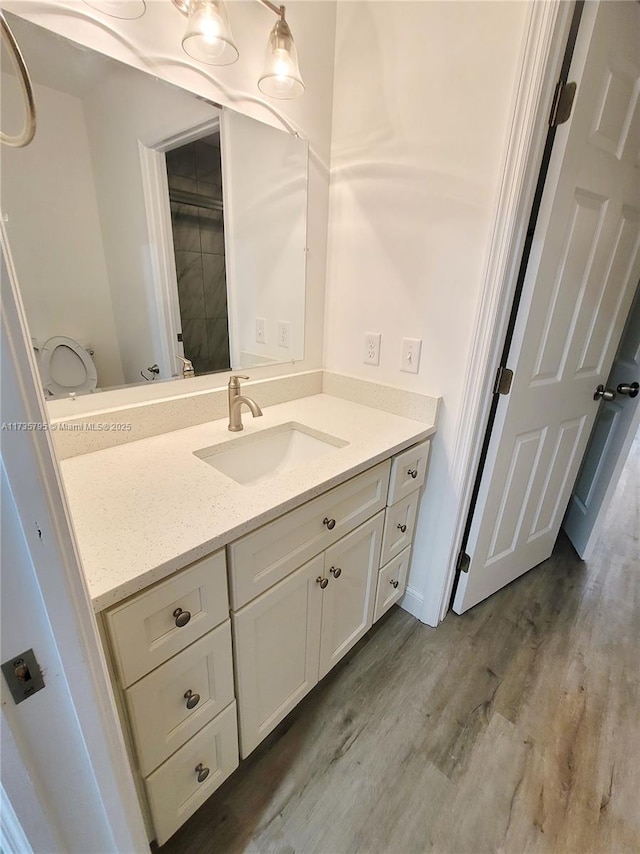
pixel 155 188
pixel 34 478
pixel 543 54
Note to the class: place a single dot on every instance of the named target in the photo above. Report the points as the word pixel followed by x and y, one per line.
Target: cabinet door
pixel 351 567
pixel 276 639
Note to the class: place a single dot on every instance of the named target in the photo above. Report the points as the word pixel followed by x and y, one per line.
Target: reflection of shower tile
pixel 207 162
pixel 177 182
pixel 211 231
pixel 211 190
pixel 215 286
pixel 190 285
pixel 185 225
pixel 182 161
pixel 196 348
pixel 218 343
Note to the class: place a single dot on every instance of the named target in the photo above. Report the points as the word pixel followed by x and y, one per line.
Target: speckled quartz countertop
pixel 144 510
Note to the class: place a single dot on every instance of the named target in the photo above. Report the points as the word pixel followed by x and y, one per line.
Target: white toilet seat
pixel 66 367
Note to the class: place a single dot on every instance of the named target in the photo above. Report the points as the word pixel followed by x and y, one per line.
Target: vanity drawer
pixel 267 555
pixel 173 789
pixel 161 722
pixel 144 631
pixel 408 472
pixel 399 523
pixel 392 581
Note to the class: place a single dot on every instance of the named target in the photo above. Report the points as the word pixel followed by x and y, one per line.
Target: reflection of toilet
pixel 66 366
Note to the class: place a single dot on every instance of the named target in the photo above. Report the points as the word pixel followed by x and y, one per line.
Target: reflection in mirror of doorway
pixel 194 177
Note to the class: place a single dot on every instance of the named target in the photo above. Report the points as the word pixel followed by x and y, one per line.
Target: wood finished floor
pixel 514 728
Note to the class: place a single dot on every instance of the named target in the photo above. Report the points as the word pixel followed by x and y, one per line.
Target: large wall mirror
pixel 147 224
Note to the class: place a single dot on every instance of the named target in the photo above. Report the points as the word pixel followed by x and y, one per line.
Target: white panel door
pixel 582 274
pixel 609 445
pixel 351 568
pixel 276 639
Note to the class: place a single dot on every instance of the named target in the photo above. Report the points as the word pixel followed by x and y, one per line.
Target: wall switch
pixel 284 333
pixel 23 675
pixel 371 348
pixel 260 330
pixel 410 361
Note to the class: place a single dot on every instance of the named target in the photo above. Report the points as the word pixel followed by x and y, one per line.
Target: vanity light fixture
pixel 208 39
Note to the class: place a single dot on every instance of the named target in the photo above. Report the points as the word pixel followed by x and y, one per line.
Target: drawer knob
pixel 181 617
pixel 322 581
pixel 402 528
pixel 394 583
pixel 192 699
pixel 202 772
pixel 335 571
pixel 330 523
pixel 412 473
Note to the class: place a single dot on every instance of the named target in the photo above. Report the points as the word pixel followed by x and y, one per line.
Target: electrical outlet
pixel 371 348
pixel 410 361
pixel 284 333
pixel 260 330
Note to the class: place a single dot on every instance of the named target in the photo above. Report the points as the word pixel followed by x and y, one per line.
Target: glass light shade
pixel 123 9
pixel 208 37
pixel 281 76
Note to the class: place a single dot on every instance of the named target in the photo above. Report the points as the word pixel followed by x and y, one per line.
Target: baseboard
pixel 413 602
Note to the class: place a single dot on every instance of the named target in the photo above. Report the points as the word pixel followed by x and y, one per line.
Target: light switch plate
pixel 410 361
pixel 260 330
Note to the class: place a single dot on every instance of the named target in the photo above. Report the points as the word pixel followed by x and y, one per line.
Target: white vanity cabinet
pixel 291 636
pixel 171 650
pixel 294 618
pixel 303 589
pixel 408 473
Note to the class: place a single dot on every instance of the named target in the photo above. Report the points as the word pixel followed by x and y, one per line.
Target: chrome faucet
pixel 235 404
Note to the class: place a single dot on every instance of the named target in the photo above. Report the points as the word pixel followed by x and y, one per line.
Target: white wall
pixel 153 43
pixel 53 225
pixel 423 96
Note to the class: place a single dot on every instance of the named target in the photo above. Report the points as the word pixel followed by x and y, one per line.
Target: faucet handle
pixel 234 380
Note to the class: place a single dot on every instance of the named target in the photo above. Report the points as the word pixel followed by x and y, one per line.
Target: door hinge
pixel 562 103
pixel 503 382
pixel 464 562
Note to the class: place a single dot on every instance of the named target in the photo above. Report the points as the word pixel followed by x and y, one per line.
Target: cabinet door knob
pixel 412 473
pixel 335 571
pixel 202 772
pixel 192 699
pixel 402 528
pixel 330 523
pixel 394 583
pixel 322 581
pixel 181 617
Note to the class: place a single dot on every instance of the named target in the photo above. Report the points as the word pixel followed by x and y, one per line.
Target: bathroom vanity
pixel 222 599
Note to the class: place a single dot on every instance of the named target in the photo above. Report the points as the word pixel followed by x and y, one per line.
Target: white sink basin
pixel 252 459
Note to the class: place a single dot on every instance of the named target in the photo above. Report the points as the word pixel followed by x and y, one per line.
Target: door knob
pixel 604 393
pixel 631 389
